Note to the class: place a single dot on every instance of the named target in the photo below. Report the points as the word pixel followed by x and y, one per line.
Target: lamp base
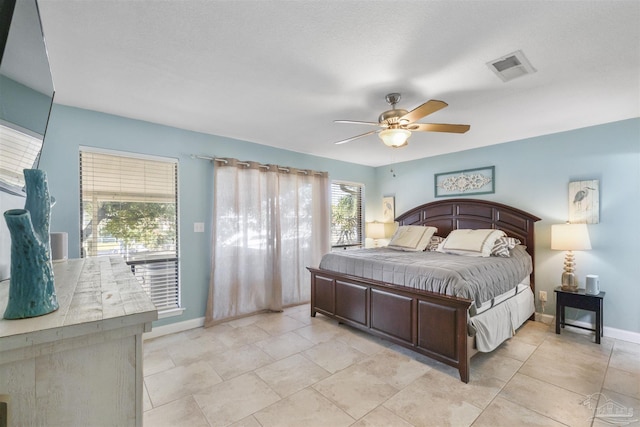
pixel 569 282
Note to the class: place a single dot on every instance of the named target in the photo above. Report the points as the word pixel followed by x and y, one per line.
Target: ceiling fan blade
pixel 356 137
pixel 423 110
pixel 438 127
pixel 357 122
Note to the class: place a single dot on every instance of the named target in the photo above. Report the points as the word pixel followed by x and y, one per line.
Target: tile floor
pixel 289 369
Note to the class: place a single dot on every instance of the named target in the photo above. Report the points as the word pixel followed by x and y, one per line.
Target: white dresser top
pixel 94 295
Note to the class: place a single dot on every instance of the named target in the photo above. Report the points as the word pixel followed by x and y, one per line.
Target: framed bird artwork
pixel 584 202
pixel 388 209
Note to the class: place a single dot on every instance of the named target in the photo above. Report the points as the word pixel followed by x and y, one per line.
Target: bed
pixel 439 325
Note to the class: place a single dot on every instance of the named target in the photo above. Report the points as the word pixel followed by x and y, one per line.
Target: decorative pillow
pixel 470 242
pixel 414 238
pixel 434 242
pixel 503 245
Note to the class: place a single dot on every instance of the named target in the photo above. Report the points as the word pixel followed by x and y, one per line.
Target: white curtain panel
pixel 269 224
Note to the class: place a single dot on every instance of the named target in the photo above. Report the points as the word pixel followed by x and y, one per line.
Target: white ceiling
pixel 279 72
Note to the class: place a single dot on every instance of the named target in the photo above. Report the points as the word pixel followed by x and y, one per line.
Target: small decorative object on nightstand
pixel 592 284
pixel 579 299
pixel 570 237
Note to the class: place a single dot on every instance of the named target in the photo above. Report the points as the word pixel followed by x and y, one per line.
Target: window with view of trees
pixel 129 208
pixel 347 214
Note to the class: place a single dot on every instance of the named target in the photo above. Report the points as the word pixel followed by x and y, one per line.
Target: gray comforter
pixel 478 279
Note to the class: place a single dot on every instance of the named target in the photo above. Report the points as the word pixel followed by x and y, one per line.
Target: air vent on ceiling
pixel 511 66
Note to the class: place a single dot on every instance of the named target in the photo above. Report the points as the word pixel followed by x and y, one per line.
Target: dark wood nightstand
pixel 581 300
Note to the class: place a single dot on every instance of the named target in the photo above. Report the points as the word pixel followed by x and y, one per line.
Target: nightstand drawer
pixel 578 301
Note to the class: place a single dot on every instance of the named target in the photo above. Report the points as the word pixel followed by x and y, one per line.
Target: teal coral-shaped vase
pixel 31 288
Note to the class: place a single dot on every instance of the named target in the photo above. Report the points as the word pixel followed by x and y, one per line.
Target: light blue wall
pixel 533 175
pixel 70 128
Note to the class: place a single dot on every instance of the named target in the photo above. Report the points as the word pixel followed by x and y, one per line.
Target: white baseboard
pixel 547 319
pixel 173 328
pixel 619 334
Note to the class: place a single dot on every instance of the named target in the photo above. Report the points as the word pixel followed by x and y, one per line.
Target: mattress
pixel 478 279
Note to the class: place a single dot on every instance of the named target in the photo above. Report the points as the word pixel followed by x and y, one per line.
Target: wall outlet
pixel 542 296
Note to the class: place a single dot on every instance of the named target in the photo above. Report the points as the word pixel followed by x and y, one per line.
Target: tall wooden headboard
pixel 452 214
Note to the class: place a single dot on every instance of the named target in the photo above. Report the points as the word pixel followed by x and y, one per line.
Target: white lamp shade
pixel 375 230
pixel 570 237
pixel 395 137
pixel 380 230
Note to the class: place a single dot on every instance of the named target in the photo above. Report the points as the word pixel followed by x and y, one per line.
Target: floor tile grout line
pixel 604 379
pixel 201 410
pixel 494 397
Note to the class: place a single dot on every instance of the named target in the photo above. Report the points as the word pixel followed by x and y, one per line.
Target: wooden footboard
pixel 431 324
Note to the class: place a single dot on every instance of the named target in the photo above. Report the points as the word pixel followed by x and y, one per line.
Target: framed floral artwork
pixel 465 182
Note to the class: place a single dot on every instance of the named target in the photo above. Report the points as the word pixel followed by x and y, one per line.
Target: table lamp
pixel 569 237
pixel 379 230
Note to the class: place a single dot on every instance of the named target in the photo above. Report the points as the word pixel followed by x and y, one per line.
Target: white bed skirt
pixel 499 323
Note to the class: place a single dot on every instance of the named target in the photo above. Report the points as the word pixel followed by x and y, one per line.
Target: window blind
pixel 129 206
pixel 347 225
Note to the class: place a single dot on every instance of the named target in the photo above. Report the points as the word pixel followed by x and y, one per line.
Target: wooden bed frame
pixel 431 324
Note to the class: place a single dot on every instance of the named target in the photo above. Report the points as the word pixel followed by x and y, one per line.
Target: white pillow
pixel 413 238
pixel 470 242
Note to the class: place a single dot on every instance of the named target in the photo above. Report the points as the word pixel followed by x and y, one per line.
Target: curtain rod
pixel 225 161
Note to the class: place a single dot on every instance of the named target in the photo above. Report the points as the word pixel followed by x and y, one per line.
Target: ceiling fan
pixel 397 124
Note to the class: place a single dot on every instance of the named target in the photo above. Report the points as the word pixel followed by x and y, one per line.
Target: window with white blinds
pixel 347 214
pixel 18 150
pixel 129 206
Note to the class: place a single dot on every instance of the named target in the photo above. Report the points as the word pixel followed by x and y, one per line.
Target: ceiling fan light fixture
pixel 395 137
pixel 397 124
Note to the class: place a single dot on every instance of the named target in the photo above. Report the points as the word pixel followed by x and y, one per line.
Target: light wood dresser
pixel 82 364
